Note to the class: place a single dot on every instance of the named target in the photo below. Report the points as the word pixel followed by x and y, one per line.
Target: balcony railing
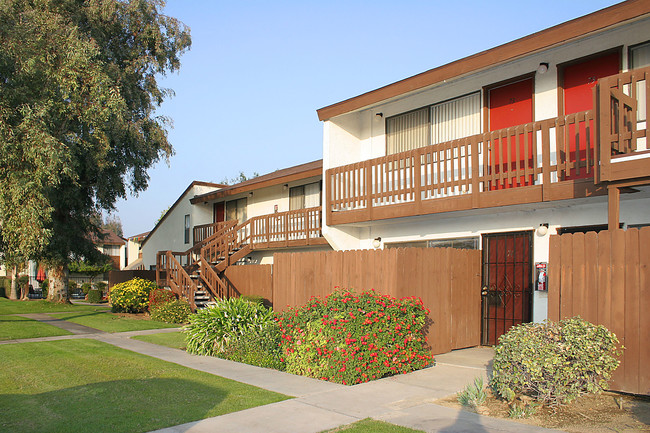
pixel 552 159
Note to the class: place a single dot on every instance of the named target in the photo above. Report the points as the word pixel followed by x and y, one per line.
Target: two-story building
pixel 496 151
pixel 211 227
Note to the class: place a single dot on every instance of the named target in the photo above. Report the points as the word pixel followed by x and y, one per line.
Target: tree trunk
pixel 25 292
pixel 13 294
pixel 58 284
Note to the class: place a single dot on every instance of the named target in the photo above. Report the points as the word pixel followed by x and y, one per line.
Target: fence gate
pixel 507 283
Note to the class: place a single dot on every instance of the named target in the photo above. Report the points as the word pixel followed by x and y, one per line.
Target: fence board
pixel 615 293
pixel 448 281
pixel 251 280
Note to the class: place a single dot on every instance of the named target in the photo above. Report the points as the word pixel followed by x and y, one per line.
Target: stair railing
pixel 179 280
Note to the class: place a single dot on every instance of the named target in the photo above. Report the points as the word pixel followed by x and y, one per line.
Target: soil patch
pixel 589 414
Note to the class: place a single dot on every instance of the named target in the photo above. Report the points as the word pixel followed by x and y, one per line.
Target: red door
pixel 218 213
pixel 510 105
pixel 578 81
pixel 507 283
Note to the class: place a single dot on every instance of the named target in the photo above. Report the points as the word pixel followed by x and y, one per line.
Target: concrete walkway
pixel 405 400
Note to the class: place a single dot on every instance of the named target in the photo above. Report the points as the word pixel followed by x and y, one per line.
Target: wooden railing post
pixel 368 181
pixel 546 159
pixel 475 171
pixel 417 180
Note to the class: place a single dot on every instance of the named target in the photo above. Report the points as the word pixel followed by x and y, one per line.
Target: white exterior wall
pixel 360 135
pixel 169 235
pixel 132 251
pixel 263 200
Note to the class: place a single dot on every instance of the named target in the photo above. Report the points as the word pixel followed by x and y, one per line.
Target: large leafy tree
pixel 78 130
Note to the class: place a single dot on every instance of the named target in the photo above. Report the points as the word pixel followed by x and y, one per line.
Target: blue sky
pixel 248 90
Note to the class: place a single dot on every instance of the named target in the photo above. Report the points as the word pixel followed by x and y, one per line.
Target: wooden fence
pixel 605 279
pixel 447 280
pixel 252 280
pixel 116 277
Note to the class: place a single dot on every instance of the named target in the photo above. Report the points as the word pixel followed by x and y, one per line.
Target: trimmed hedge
pixel 176 311
pixel 351 338
pixel 95 296
pixel 554 362
pixel 131 296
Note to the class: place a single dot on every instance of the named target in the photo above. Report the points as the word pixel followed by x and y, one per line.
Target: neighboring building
pixel 114 247
pixel 134 252
pixel 210 229
pixel 174 230
pixel 497 151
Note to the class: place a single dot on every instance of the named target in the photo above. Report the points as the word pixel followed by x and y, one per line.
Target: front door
pixel 507 283
pixel 578 81
pixel 511 105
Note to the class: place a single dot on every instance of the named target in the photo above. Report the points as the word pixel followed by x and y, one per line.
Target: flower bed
pixel 352 338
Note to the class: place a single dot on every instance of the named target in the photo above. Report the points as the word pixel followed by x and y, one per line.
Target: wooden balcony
pixel 554 159
pixel 295 228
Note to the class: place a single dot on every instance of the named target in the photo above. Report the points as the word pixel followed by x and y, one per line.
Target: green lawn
pixel 42 306
pixel 15 327
pixel 86 385
pixel 175 340
pixel 109 322
pixel 372 426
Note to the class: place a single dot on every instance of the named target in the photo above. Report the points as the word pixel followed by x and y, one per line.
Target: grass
pixel 109 322
pixel 42 306
pixel 70 385
pixel 371 426
pixel 175 340
pixel 16 327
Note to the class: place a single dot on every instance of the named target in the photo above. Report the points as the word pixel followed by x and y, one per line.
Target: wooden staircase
pixel 197 274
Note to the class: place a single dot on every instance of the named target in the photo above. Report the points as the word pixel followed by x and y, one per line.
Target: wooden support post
pixel 613 207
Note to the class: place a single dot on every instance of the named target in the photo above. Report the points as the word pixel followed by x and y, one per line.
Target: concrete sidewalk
pixel 406 400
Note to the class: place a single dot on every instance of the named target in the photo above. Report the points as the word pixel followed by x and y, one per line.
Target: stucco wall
pixel 169 235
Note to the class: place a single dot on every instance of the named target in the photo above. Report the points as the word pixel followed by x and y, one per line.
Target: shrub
pixel 211 329
pixel 254 298
pixel 554 362
pixel 349 338
pixel 5 287
pixel 85 287
pixel 131 296
pixel 260 347
pixel 72 286
pixel 94 296
pixel 101 286
pixel 176 311
pixel 160 296
pixel 45 284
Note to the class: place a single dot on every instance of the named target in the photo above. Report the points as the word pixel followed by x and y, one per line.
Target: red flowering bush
pixel 352 338
pixel 158 297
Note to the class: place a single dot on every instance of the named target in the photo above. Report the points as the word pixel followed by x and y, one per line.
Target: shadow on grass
pixel 116 406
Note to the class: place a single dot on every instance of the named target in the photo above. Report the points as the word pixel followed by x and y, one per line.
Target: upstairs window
pixel 304 196
pixel 446 121
pixel 407 131
pixel 236 210
pixel 186 229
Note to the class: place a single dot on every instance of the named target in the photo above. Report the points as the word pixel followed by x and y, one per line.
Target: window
pixel 407 131
pixel 111 250
pixel 458 243
pixel 446 121
pixel 640 58
pixel 187 229
pixel 236 210
pixel 640 55
pixel 304 196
